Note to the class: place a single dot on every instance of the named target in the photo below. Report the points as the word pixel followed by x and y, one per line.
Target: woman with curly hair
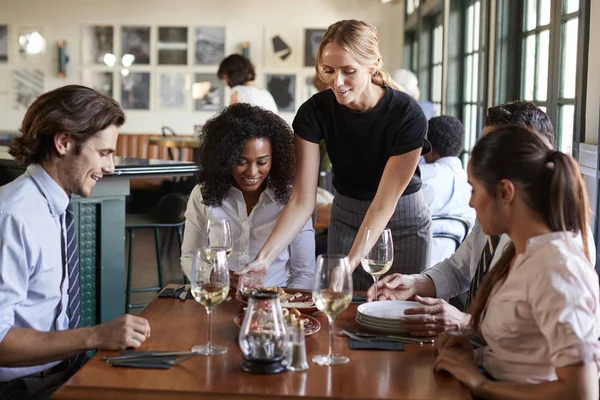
pixel 246 168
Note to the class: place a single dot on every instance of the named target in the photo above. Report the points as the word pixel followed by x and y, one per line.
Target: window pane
pixel 569 58
pixel 476 26
pixel 438 108
pixel 475 86
pixel 541 91
pixel 409 7
pixel 529 67
pixel 469 48
pixel 530 15
pixel 466 119
pixel 570 6
pixel 438 40
pixel 469 79
pixel 565 133
pixel 473 125
pixel 544 12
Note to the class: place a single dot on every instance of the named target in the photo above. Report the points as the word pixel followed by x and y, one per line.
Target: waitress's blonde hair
pixel 359 39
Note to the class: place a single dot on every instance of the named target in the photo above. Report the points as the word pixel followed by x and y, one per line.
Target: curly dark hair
pixel 238 70
pixel 222 140
pixel 523 113
pixel 446 135
pixel 79 111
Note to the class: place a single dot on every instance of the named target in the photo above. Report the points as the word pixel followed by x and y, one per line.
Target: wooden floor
pixel 144 265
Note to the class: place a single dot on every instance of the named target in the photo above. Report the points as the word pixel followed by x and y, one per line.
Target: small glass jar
pixel 263 337
pixel 297 360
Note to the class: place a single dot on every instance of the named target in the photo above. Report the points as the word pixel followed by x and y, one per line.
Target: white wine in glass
pixel 378 258
pixel 332 292
pixel 209 287
pixel 217 237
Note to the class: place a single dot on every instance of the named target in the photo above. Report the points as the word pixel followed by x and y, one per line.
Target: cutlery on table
pixel 135 356
pixel 365 337
pixel 184 292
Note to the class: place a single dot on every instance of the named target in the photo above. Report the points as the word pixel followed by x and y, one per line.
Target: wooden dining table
pixel 178 325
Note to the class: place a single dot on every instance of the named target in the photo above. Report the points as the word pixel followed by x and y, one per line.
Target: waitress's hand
pixel 253 274
pixel 461 365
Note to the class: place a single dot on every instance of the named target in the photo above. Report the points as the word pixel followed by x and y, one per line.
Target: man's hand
pixel 401 287
pixel 252 275
pixel 436 317
pixel 120 333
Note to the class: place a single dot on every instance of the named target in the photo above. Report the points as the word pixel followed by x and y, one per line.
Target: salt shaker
pixel 298 359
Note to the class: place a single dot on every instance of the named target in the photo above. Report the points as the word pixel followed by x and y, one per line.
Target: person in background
pixel 68 137
pixel 476 256
pixel 246 168
pixel 410 84
pixel 374 135
pixel 538 310
pixel 238 73
pixel 445 185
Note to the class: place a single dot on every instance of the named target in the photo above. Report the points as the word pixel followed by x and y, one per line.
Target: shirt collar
pixel 267 194
pixel 536 242
pixel 451 161
pixel 54 194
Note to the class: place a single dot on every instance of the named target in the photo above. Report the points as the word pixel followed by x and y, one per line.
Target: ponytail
pixel 383 78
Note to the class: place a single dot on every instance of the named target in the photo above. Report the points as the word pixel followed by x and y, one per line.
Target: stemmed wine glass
pixel 332 292
pixel 217 237
pixel 210 287
pixel 377 260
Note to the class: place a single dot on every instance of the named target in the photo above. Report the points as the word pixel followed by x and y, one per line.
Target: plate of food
pixel 311 325
pixel 302 302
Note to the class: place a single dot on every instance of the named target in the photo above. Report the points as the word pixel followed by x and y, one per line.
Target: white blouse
pixel 257 97
pixel 293 268
pixel 545 315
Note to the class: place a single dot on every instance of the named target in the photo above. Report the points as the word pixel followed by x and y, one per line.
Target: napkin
pixel 377 344
pixel 172 293
pixel 156 364
pixel 359 298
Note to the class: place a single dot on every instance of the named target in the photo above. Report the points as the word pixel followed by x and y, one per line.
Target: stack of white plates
pixel 384 316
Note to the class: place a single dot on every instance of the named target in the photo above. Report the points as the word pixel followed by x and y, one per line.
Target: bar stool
pixel 169 213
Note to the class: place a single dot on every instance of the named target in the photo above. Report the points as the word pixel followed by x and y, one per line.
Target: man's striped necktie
pixel 483 267
pixel 74 309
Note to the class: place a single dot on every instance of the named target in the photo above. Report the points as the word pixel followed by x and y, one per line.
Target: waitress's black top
pixel 360 143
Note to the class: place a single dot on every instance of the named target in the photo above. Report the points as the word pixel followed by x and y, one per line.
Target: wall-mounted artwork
pixel 28 85
pixel 210 45
pixel 312 39
pixel 135 41
pixel 172 45
pixel 173 91
pixel 135 90
pixel 208 92
pixel 98 45
pixel 283 89
pixel 281 47
pixel 101 81
pixel 3 43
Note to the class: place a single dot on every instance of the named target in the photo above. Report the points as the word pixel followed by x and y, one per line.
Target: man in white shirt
pixel 459 273
pixel 445 186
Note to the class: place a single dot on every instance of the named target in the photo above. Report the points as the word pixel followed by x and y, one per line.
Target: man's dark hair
pixel 522 113
pixel 446 135
pixel 76 110
pixel 237 69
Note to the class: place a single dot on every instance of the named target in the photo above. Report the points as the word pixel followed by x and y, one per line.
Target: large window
pixel 431 61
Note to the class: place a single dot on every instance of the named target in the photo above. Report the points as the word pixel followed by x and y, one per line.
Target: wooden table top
pixel 178 325
pixel 175 141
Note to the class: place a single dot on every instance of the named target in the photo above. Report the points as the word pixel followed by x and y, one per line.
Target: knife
pixel 146 354
pixel 406 338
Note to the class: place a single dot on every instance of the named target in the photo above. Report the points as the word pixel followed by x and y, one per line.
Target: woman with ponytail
pixel 374 136
pixel 538 309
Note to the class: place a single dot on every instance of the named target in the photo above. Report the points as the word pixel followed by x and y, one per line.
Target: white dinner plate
pixel 390 310
pixel 393 330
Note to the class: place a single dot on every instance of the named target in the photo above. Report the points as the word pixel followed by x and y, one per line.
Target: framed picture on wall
pixel 98 45
pixel 209 45
pixel 172 45
pixel 173 91
pixel 135 41
pixel 283 89
pixel 281 47
pixel 102 81
pixel 312 39
pixel 208 92
pixel 135 90
pixel 27 85
pixel 3 43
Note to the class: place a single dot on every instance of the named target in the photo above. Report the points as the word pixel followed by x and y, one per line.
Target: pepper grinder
pixel 298 360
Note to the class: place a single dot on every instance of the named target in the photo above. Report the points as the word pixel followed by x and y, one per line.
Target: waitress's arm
pixel 397 174
pixel 294 215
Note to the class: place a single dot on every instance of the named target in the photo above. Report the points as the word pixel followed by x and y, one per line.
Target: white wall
pixel 245 20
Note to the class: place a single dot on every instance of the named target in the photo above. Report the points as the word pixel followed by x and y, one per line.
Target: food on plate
pixel 289 300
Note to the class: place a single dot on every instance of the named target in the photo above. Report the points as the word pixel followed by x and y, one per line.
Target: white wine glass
pixel 378 259
pixel 210 286
pixel 332 292
pixel 217 237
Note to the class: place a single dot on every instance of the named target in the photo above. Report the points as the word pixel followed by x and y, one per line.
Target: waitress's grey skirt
pixel 411 231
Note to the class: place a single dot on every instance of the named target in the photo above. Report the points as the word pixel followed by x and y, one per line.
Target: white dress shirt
pixel 293 268
pixel 453 275
pixel 545 315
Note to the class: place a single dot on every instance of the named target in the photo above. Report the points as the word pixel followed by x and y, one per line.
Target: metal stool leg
pixel 180 240
pixel 158 257
pixel 131 232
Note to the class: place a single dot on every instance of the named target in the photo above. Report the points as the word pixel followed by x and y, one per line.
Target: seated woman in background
pixel 538 309
pixel 238 73
pixel 246 168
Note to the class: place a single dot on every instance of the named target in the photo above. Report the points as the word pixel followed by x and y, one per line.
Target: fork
pixel 380 338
